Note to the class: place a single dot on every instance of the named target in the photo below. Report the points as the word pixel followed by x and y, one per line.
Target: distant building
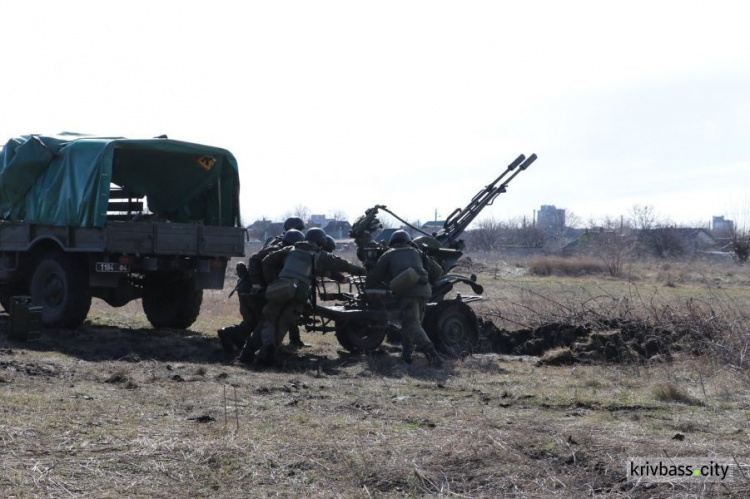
pixel 338 229
pixel 384 235
pixel 433 226
pixel 318 221
pixel 551 220
pixel 722 227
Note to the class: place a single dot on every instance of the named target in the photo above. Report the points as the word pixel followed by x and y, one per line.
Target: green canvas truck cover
pixel 64 180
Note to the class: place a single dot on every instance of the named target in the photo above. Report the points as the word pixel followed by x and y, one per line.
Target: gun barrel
pixel 457 221
pixel 516 162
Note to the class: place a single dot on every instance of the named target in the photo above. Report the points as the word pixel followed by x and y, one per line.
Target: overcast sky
pixel 339 106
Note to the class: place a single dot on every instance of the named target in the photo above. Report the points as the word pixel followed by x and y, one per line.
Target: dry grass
pixel 670 392
pixel 116 408
pixel 559 266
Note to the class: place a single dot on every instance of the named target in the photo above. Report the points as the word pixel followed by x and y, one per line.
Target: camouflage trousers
pixel 251 309
pixel 412 315
pixel 249 330
pixel 279 319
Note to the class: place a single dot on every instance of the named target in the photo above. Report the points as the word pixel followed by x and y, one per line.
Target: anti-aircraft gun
pixel 363 318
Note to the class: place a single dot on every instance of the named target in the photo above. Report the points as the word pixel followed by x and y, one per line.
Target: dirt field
pixel 116 408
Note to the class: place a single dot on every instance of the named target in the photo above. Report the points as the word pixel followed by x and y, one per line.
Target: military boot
pixel 406 351
pixel 227 341
pixel 294 338
pixel 433 357
pixel 265 356
pixel 247 355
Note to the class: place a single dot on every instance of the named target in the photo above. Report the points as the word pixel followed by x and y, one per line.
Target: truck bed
pixel 130 238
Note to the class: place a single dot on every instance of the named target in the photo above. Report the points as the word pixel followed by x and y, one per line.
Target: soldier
pixel 291 272
pixel 408 273
pixel 295 223
pixel 330 245
pixel 251 291
pixel 291 223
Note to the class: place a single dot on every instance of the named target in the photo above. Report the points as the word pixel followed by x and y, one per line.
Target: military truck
pixel 116 219
pixel 362 318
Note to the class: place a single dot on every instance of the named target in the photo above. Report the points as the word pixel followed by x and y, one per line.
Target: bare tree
pixel 662 241
pixel 387 221
pixel 339 216
pixel 613 248
pixel 741 245
pixel 529 236
pixel 572 220
pixel 644 217
pixel 302 212
pixel 487 235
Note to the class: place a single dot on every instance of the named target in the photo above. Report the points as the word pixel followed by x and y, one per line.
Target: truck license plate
pixel 112 267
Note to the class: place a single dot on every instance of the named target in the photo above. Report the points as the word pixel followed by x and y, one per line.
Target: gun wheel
pixel 358 337
pixel 452 327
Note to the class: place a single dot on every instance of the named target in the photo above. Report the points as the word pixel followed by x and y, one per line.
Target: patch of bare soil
pixel 468 265
pixel 562 344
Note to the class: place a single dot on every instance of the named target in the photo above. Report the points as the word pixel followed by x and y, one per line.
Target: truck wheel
pixel 171 303
pixel 359 337
pixel 452 327
pixel 59 285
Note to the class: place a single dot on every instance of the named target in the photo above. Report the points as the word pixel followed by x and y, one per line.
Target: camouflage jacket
pixel 255 266
pixel 324 262
pixel 388 266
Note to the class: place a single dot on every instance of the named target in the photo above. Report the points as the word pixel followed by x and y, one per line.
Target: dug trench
pixel 609 341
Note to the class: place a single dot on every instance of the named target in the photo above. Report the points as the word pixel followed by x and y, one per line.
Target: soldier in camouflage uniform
pixel 412 299
pixel 291 272
pixel 296 223
pixel 251 291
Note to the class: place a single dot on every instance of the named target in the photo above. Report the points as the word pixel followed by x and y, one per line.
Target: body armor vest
pixel 298 265
pixel 405 258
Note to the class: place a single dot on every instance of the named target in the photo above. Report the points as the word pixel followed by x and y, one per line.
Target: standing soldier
pixel 408 273
pixel 291 272
pixel 251 291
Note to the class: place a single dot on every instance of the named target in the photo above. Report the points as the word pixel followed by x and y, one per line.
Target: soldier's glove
pixel 257 288
pixel 241 269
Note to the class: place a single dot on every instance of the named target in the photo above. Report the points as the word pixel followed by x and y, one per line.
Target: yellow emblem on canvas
pixel 206 162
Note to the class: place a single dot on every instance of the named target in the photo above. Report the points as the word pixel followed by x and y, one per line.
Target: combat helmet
pixel 294 223
pixel 292 236
pixel 316 236
pixel 399 237
pixel 330 245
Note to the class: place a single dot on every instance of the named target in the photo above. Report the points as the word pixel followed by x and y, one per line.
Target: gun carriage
pixel 362 318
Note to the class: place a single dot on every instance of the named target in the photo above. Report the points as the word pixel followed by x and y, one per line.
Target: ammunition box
pixel 25 319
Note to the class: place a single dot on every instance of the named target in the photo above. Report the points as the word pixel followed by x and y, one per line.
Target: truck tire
pixel 359 337
pixel 171 302
pixel 452 327
pixel 59 284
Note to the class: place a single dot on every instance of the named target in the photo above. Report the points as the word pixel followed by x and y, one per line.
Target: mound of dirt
pixel 467 265
pixel 563 344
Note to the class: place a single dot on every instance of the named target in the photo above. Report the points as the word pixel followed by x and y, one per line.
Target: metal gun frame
pixel 362 318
